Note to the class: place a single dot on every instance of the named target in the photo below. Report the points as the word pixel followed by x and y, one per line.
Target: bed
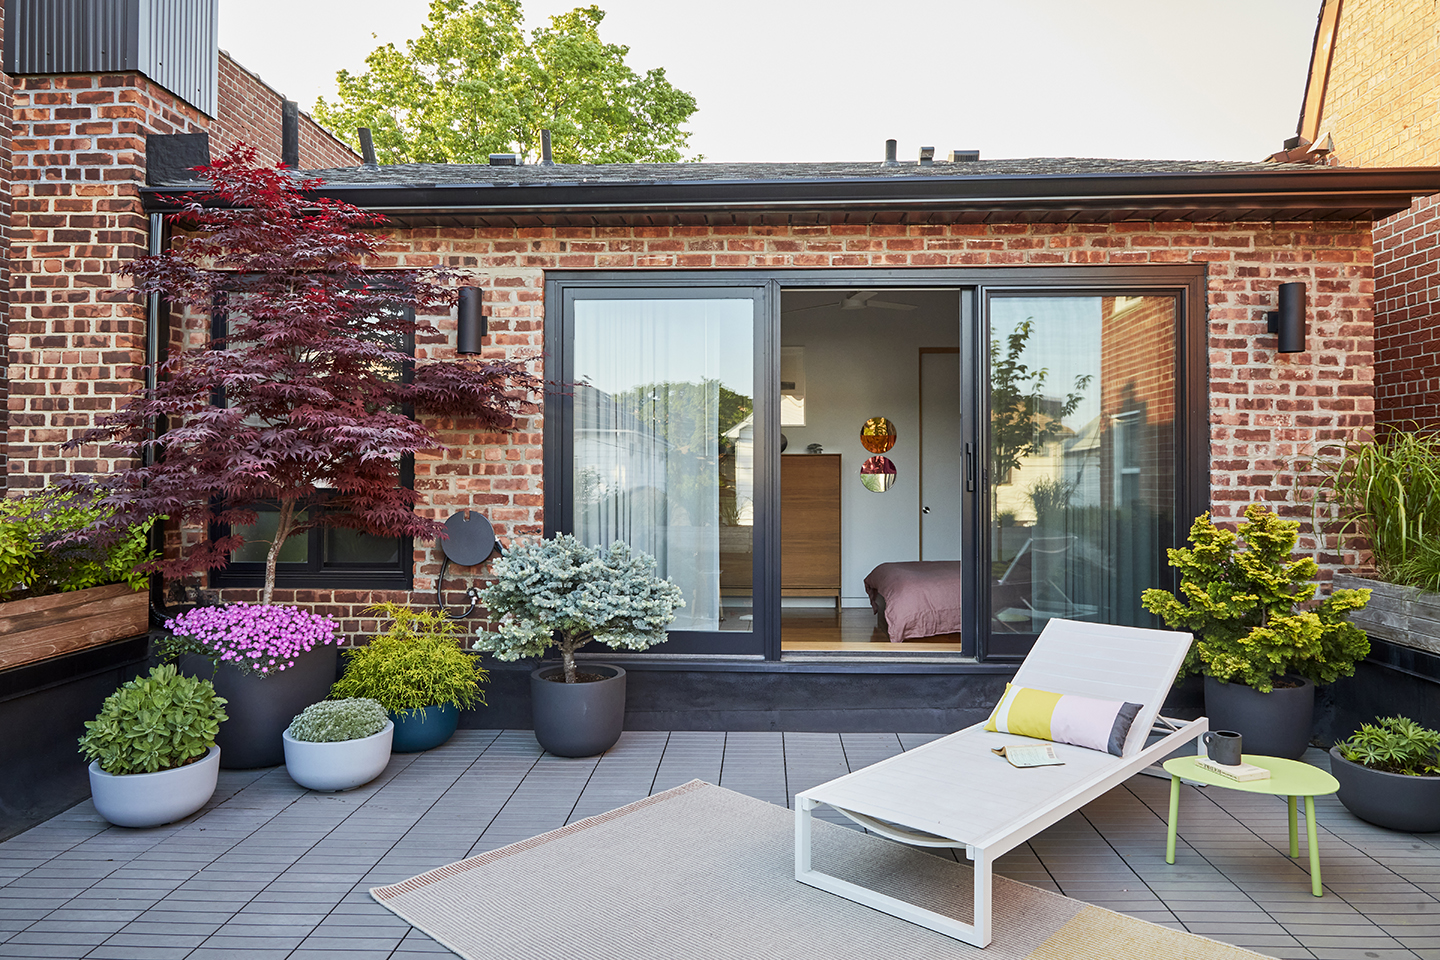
pixel 917 598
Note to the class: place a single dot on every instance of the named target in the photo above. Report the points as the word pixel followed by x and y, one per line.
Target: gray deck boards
pixel 270 870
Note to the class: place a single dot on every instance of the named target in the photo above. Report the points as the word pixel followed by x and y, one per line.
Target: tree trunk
pixel 283 524
pixel 567 659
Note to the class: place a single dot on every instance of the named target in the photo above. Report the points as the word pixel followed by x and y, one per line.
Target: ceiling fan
pixel 856 300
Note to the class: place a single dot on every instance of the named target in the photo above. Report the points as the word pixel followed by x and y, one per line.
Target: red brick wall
pixel 249 111
pixel 1265 409
pixel 6 122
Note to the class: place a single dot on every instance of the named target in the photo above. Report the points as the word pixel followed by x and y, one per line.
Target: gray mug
pixel 1222 746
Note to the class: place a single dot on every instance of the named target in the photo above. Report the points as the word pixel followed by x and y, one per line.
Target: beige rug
pixel 703 872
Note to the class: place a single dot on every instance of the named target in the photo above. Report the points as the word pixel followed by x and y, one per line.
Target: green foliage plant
pixel 1394 745
pixel 1248 607
pixel 561 592
pixel 331 721
pixel 43 549
pixel 156 722
pixel 1388 491
pixel 473 84
pixel 417 663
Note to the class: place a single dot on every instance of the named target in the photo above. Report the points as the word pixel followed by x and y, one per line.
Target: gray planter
pixel 1407 616
pixel 577 719
pixel 1391 800
pixel 1274 724
pixel 260 708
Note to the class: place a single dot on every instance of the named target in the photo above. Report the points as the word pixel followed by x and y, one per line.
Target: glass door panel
pixel 1082 485
pixel 663 444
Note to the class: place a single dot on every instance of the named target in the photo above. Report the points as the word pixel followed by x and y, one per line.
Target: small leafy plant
pixel 330 721
pixel 40 552
pixel 1394 745
pixel 565 593
pixel 157 722
pixel 259 639
pixel 1246 606
pixel 417 663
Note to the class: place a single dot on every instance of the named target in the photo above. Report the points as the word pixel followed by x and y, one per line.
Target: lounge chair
pixel 954 792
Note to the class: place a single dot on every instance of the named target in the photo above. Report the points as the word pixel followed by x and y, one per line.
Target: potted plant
pixel 268 661
pixel 1389 773
pixel 59 590
pixel 338 744
pixel 561 592
pixel 418 673
pixel 1259 643
pixel 152 751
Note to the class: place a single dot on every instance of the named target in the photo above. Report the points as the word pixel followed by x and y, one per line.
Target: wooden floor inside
pixel 852 629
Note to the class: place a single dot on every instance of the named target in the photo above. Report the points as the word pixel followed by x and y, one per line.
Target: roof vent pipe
pixel 545 160
pixel 890 149
pixel 367 147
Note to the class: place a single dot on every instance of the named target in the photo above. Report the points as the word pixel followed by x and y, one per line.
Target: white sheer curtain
pixel 647 433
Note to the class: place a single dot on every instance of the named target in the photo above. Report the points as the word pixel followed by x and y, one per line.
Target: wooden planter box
pixel 44 627
pixel 1407 616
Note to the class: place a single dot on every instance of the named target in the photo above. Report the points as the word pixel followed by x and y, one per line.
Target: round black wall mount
pixel 471 538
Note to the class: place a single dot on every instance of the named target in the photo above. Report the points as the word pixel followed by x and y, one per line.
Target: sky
pixel 813 80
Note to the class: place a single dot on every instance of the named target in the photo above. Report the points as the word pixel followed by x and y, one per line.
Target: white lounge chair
pixel 953 792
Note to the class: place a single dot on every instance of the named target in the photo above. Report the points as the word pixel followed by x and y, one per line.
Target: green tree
pixel 473 84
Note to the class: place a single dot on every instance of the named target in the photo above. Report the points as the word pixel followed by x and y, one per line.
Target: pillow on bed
pixel 1064 718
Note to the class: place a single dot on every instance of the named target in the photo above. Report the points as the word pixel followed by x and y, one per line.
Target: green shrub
pixel 330 721
pixel 33 563
pixel 415 664
pixel 1395 745
pixel 1246 607
pixel 153 723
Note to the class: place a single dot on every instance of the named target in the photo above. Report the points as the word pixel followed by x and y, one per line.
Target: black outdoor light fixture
pixel 1289 321
pixel 471 323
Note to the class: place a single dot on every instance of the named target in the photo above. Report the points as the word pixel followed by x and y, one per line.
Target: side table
pixel 1288 778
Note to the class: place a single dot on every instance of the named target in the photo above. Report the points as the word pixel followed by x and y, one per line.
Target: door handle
pixel 969 466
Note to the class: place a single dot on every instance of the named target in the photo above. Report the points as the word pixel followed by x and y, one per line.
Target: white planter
pixel 340 764
pixel 150 799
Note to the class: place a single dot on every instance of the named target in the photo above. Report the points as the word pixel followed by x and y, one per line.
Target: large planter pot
pixel 577 719
pixel 260 708
pixel 414 733
pixel 150 799
pixel 1274 724
pixel 1391 800
pixel 339 764
pixel 39 628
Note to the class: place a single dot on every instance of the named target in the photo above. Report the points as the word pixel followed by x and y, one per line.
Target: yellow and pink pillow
pixel 1064 718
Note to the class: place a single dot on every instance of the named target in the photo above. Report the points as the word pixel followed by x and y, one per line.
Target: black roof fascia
pixel 1365 193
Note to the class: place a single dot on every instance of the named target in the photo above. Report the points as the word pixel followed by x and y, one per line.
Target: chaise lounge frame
pixel 954 792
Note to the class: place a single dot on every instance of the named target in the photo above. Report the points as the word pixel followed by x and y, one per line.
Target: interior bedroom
pixel 871 466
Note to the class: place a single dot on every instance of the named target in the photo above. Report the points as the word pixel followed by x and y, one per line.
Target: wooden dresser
pixel 810 525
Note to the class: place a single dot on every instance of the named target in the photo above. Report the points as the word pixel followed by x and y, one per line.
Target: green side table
pixel 1288 778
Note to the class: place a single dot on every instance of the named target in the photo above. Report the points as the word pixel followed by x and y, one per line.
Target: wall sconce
pixel 472 323
pixel 1289 320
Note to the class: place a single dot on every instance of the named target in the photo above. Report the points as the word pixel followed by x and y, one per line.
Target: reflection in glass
pixel 664 444
pixel 1082 450
pixel 257 541
pixel 878 435
pixel 878 474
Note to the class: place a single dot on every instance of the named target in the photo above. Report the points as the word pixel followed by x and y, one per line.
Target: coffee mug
pixel 1222 746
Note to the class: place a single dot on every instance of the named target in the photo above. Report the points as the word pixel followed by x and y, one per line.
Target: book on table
pixel 1239 771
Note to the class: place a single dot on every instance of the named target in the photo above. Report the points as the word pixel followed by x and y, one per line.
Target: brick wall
pixel 1380 107
pixel 6 121
pixel 249 111
pixel 1266 409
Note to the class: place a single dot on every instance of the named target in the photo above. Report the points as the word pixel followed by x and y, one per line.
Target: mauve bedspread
pixel 917 598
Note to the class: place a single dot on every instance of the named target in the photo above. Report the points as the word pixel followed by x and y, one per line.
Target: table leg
pixel 1311 839
pixel 1294 833
pixel 1174 819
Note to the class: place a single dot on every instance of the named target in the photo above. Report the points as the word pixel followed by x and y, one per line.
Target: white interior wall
pixel 861 364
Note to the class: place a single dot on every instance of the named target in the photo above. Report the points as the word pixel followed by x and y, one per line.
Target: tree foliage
pixel 473 84
pixel 1245 606
pixel 312 415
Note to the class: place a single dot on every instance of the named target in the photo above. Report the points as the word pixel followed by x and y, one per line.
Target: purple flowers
pixel 256 638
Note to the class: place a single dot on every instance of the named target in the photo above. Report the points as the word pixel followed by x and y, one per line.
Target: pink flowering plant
pixel 257 638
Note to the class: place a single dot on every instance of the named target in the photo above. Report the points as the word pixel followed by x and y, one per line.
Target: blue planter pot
pixel 413 734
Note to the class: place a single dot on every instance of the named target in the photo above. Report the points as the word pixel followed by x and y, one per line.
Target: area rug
pixel 703 872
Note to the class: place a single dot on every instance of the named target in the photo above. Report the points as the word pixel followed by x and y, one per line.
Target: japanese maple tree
pixel 302 403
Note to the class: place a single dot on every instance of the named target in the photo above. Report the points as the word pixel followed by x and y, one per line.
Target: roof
pixel 1046 189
